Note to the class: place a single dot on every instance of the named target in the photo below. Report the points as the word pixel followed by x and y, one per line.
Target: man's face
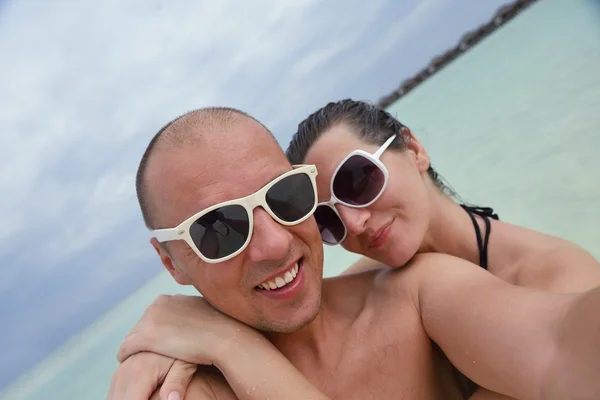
pixel 223 167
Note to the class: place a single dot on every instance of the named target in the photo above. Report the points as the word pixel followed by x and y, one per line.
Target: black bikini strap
pixel 481 211
pixel 485 213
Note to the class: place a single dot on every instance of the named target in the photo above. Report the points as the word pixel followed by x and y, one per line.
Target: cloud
pixel 90 84
pixel 84 86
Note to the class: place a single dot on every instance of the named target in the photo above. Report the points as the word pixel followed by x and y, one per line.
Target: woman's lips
pixel 381 236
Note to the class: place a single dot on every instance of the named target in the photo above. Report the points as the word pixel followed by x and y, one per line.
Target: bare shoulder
pixel 562 266
pixel 402 283
pixel 534 259
pixel 394 286
pixel 438 272
pixel 209 384
pixel 371 290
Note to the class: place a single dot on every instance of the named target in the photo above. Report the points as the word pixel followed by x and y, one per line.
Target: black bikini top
pixel 482 244
pixel 466 386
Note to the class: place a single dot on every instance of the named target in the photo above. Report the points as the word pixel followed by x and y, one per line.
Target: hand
pixel 185 328
pixel 140 375
pixel 188 328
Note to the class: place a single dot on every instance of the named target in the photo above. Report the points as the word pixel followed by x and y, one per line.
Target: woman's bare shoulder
pixel 525 257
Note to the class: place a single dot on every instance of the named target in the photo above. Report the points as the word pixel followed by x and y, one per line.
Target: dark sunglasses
pixel 224 230
pixel 358 181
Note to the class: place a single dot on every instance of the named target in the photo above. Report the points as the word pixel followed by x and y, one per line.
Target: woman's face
pixel 392 229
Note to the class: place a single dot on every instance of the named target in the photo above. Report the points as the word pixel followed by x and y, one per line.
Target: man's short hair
pixel 184 130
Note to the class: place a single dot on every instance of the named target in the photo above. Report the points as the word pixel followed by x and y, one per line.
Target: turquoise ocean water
pixel 514 124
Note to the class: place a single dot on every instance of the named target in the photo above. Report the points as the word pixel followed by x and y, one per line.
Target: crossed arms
pixel 511 340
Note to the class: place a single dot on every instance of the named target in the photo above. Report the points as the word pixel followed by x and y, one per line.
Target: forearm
pixel 259 371
pixel 574 372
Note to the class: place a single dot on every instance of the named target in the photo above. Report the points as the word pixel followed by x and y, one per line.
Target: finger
pixel 155 395
pixel 121 387
pixel 177 380
pixel 134 343
pixel 139 376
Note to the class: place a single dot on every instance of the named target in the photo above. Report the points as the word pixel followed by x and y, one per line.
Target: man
pixel 233 218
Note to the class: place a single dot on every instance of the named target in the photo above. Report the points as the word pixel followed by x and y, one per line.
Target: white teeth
pixel 282 280
pixel 288 277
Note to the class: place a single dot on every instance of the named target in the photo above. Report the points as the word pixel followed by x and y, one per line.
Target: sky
pixel 85 85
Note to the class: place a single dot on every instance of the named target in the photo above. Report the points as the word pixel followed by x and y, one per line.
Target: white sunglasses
pixel 222 231
pixel 358 181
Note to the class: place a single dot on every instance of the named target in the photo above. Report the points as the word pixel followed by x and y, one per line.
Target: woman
pixel 380 197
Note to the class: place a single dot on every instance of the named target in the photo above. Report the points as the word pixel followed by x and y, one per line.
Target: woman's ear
pixel 421 157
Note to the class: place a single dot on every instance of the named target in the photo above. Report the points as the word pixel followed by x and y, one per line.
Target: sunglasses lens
pixel 292 198
pixel 358 181
pixel 330 225
pixel 221 232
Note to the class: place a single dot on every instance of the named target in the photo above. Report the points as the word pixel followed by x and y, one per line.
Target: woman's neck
pixel 451 229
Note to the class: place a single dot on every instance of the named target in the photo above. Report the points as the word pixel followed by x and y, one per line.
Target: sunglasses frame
pixel 249 203
pixel 375 159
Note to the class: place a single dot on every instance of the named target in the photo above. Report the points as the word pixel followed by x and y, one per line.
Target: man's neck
pixel 319 342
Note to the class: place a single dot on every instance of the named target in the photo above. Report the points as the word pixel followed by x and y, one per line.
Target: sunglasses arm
pixel 165 235
pixel 384 147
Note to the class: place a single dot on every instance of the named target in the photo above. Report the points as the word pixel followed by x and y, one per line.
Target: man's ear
pixel 167 261
pixel 421 156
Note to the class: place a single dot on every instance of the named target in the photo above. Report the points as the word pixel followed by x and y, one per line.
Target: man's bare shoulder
pixel 378 277
pixel 422 272
pixel 398 285
pixel 378 284
pixel 356 285
pixel 373 275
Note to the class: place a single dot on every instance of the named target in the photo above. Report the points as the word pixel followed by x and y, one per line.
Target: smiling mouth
pixel 282 280
pixel 380 237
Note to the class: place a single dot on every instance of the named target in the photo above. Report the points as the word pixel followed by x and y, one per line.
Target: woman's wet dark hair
pixel 372 124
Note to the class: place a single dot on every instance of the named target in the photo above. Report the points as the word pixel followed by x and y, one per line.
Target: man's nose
pixel 355 219
pixel 270 240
